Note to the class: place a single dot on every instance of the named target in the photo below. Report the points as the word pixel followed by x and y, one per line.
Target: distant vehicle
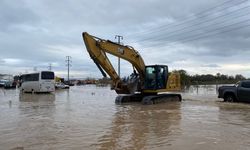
pixel 2 83
pixel 68 83
pixel 9 85
pixel 239 92
pixel 60 85
pixel 42 81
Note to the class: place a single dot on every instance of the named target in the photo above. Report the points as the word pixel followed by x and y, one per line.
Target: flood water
pixel 86 117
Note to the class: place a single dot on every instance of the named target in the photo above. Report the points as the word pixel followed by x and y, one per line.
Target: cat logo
pixel 121 50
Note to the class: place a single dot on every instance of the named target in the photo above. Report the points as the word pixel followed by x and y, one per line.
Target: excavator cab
pixel 156 77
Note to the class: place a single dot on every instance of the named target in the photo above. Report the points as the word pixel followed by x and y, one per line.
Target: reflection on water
pixel 139 126
pixel 201 92
pixel 28 97
pixel 36 123
pixel 202 89
pixel 86 117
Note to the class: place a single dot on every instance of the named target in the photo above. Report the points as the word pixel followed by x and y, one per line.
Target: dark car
pixel 238 92
pixel 2 83
pixel 9 85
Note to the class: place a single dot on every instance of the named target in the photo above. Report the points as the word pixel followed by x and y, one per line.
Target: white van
pixel 43 81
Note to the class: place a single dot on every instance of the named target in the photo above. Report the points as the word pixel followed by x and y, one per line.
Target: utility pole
pixel 35 68
pixel 68 64
pixel 119 37
pixel 50 67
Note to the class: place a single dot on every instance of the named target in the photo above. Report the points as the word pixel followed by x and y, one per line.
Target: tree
pixel 185 78
pixel 239 77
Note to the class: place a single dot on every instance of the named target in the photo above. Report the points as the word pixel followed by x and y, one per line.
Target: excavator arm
pixel 98 49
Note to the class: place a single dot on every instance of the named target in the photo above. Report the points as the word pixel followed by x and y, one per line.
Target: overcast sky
pixel 200 36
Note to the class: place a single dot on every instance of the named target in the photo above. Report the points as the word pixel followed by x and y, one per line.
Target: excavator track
pixel 148 100
pixel 160 98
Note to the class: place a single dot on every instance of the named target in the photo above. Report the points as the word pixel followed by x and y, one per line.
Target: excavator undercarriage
pixel 148 99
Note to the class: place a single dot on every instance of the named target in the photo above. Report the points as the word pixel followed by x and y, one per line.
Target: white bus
pixel 43 81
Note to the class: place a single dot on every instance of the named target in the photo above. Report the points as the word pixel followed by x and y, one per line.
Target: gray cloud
pixel 211 66
pixel 2 62
pixel 36 33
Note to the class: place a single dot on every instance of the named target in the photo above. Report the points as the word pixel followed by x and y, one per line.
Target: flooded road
pixel 86 117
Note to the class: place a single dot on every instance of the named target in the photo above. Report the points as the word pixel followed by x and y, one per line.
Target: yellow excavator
pixel 147 84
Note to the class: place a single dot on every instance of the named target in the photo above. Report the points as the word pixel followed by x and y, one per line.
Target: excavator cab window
pixel 156 77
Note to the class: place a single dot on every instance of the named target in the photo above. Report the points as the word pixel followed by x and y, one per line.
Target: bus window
pixel 46 75
pixel 30 77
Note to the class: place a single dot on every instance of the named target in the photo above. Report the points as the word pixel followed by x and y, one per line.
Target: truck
pixel 240 92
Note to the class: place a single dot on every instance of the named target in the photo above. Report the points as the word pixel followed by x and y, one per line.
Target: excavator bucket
pixel 174 82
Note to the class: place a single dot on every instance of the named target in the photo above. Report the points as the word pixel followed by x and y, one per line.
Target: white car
pixel 60 85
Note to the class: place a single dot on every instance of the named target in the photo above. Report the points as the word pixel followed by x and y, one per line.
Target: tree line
pixel 219 78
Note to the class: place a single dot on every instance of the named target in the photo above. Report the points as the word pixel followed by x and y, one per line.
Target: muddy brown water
pixel 86 117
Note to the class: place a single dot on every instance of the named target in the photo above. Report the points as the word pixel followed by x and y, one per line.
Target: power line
pixel 233 29
pixel 195 29
pixel 199 15
pixel 200 36
pixel 199 23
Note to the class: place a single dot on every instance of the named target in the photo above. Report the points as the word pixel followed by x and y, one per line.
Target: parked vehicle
pixel 239 92
pixel 2 83
pixel 42 81
pixel 60 85
pixel 9 85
